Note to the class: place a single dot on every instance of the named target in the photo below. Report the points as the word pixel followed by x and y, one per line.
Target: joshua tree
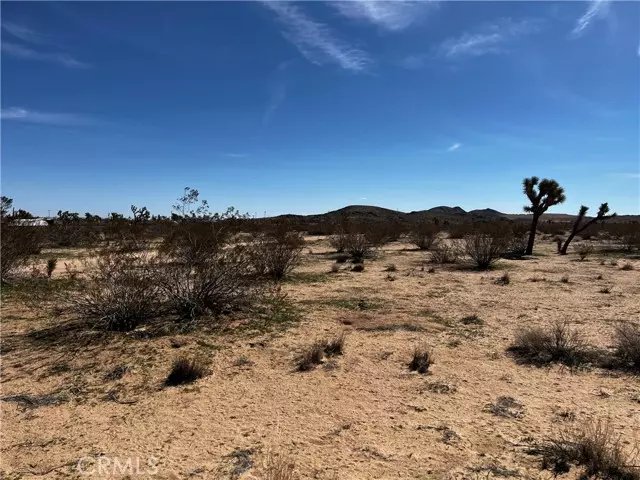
pixel 549 193
pixel 577 228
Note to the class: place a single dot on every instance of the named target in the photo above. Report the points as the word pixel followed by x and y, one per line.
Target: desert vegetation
pixel 393 349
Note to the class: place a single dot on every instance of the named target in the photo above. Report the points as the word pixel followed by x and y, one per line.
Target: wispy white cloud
pixel 489 38
pixel 392 15
pixel 26 53
pixel 18 114
pixel 316 41
pixel 235 155
pixel 454 147
pixel 278 85
pixel 25 33
pixel 597 9
pixel 627 176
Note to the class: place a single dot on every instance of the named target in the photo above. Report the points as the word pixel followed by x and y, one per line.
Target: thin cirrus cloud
pixel 28 35
pixel 25 33
pixel 19 114
pixel 454 147
pixel 316 41
pixel 389 15
pixel 489 39
pixel 597 9
pixel 278 85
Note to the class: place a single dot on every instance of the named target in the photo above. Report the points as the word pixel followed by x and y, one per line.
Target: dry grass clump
pixel 505 407
pixel 391 267
pixel 422 360
pixel 564 279
pixel 627 344
pixel 593 446
pixel 311 357
pixel 315 353
pixel 185 370
pixel 278 467
pixel 335 346
pixel 503 279
pixel 626 267
pixel 605 290
pixel 471 320
pixel 555 344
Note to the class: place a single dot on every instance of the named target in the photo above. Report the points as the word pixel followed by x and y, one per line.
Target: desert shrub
pixel 341 258
pixel 584 250
pixel 458 231
pixel 553 228
pixel 593 446
pixel 358 267
pixel 358 247
pixel 380 233
pixel 626 267
pixel 220 283
pixel 16 246
pixel 564 279
pixel 422 360
pixel 334 346
pixel 194 242
pixel 485 247
pixel 390 267
pixel 51 266
pixel 628 234
pixel 119 290
pixel 338 241
pixel 425 235
pixel 519 236
pixel 559 343
pixel 445 253
pixel 503 279
pixel 275 256
pixel 311 357
pixel 627 344
pixel 185 370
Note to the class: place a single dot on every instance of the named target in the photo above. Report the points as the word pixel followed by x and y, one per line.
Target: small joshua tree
pixel 577 227
pixel 549 193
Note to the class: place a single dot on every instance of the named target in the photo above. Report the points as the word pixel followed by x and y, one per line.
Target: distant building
pixel 32 222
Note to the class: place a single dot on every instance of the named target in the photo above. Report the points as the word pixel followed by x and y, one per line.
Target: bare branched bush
pixel 338 241
pixel 16 246
pixel 358 247
pixel 445 253
pixel 334 346
pixel 627 344
pixel 119 291
pixel 193 242
pixel 584 250
pixel 275 256
pixel 593 446
pixel 559 343
pixel 219 283
pixel 425 235
pixel 486 246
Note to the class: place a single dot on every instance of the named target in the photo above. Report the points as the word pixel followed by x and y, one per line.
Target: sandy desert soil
pixel 362 415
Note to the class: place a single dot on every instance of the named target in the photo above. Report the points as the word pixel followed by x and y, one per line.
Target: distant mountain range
pixel 362 213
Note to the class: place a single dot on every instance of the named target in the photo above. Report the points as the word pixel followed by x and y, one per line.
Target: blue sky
pixel 311 106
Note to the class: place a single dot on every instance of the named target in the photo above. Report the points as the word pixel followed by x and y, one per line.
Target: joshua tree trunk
pixel 532 234
pixel 563 250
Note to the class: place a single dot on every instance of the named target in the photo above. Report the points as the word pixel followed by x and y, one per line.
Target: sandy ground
pixel 360 416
